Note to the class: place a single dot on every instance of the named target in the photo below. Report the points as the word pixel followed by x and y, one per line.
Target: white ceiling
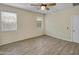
pixel 27 6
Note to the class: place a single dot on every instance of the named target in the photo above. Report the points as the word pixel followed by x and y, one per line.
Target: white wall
pixel 26 26
pixel 56 23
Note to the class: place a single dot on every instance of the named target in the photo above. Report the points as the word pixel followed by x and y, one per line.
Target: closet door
pixel 75 29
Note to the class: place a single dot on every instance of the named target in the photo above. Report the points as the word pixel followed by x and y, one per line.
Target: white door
pixel 75 29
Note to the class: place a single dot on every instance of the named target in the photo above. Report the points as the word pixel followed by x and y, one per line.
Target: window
pixel 8 21
pixel 40 22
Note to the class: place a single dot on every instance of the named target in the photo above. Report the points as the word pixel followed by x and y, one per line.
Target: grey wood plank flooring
pixel 43 45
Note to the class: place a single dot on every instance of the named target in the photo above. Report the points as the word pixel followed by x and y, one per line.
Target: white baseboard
pixel 20 39
pixel 58 37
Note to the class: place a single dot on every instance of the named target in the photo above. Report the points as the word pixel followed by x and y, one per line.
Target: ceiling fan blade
pixel 47 8
pixel 51 4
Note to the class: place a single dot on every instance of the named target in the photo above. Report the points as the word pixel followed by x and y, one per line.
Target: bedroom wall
pixel 26 25
pixel 59 24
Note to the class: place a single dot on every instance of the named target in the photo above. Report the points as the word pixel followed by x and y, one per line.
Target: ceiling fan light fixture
pixel 43 7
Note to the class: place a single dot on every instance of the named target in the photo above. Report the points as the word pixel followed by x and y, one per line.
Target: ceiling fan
pixel 44 6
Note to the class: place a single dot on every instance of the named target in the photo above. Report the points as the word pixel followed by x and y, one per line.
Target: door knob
pixel 73 30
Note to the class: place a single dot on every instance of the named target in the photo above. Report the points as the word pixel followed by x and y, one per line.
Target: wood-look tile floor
pixel 43 45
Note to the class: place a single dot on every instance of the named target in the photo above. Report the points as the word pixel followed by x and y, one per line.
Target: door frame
pixel 71 29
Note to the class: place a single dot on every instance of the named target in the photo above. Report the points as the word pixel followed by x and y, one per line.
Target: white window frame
pixel 8 21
